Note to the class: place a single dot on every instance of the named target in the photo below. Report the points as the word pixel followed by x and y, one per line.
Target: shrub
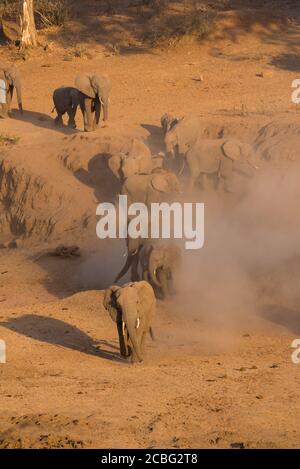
pixel 47 12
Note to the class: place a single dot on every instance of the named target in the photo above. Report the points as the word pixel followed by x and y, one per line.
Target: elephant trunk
pixel 131 319
pixel 105 109
pixel 122 340
pixel 128 263
pixel 103 95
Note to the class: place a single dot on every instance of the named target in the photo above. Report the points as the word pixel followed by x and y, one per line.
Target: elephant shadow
pixel 282 315
pixel 95 269
pixel 99 177
pixel 42 120
pixel 155 139
pixel 60 333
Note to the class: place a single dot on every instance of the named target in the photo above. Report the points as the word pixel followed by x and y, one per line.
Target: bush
pixel 51 12
pixel 198 23
pixel 47 12
pixel 194 23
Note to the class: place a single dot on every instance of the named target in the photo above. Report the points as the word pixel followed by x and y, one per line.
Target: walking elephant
pixel 159 186
pixel 180 135
pixel 160 263
pixel 9 80
pixel 96 89
pixel 66 99
pixel 134 247
pixel 168 121
pixel 225 161
pixel 132 307
pixel 136 159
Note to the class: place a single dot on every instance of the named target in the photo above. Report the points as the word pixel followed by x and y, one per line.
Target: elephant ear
pixel 12 74
pixel 110 301
pixel 84 84
pixel 115 164
pixel 101 83
pixel 232 150
pixel 160 183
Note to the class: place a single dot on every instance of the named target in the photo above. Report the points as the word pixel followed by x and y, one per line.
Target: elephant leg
pixel 3 111
pixel 194 173
pixel 164 284
pixel 71 113
pixel 88 114
pixel 97 109
pixel 122 341
pixel 143 343
pixel 139 333
pixel 9 96
pixel 220 185
pixel 205 183
pixel 146 276
pixel 59 120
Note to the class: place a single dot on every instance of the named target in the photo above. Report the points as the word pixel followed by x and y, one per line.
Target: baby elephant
pixel 66 100
pixel 132 307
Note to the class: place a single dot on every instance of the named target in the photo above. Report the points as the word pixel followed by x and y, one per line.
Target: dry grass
pixel 47 12
pixel 8 139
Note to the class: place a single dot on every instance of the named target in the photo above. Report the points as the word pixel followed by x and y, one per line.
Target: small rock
pixel 237 446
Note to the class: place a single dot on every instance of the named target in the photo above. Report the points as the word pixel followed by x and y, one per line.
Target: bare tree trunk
pixel 29 34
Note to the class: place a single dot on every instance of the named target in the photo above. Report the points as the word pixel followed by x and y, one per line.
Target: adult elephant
pixel 96 89
pixel 136 159
pixel 159 186
pixel 160 263
pixel 132 307
pixel 134 247
pixel 180 134
pixel 225 161
pixel 9 80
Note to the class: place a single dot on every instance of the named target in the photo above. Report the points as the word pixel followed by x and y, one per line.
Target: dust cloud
pixel 252 248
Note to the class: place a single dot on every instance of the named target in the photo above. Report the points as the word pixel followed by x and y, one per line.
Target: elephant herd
pixel 91 94
pixel 210 164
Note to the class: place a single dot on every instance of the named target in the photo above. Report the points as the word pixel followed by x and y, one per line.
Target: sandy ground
pixel 202 385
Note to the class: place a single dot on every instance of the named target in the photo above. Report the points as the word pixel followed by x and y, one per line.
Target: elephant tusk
pixel 182 168
pixel 123 328
pixel 137 323
pixel 101 101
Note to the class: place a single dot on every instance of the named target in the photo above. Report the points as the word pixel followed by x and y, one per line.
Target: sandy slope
pixel 203 385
